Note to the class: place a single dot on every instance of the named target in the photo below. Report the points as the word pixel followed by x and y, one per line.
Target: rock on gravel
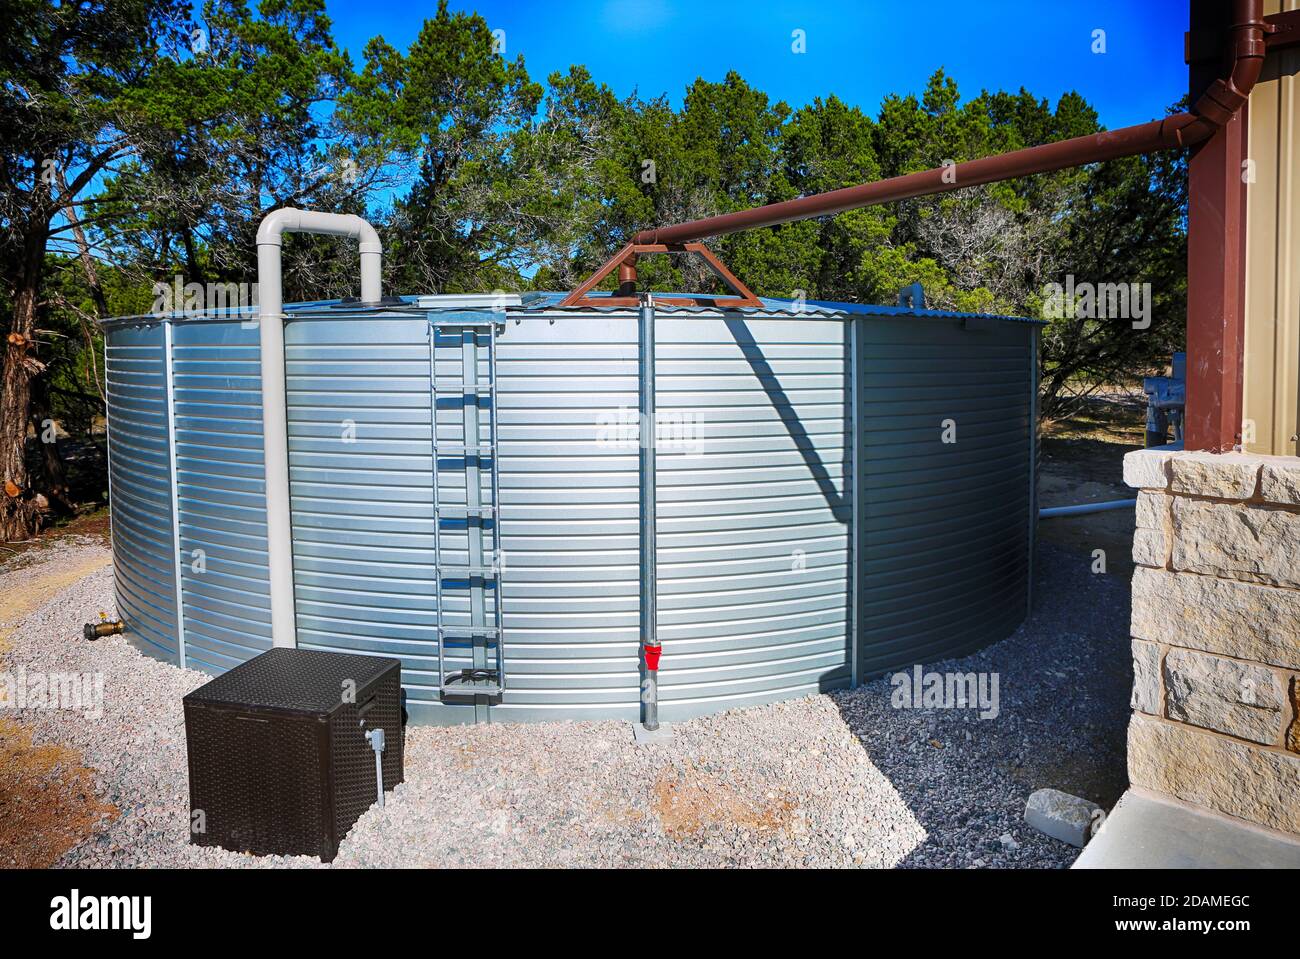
pixel 836 780
pixel 1061 816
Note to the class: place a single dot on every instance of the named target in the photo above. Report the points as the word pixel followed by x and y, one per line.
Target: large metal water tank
pixel 841 490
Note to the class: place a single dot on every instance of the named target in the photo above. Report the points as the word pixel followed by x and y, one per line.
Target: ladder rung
pixel 465 512
pixel 455 686
pixel 467 572
pixel 476 389
pixel 455 452
pixel 468 632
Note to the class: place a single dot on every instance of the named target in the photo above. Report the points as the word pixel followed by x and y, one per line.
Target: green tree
pixel 454 111
pixel 70 79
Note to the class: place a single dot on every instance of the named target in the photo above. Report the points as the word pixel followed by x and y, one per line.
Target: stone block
pixel 1253 543
pixel 1241 699
pixel 1221 475
pixel 1147 469
pixel 1152 510
pixel 1146 677
pixel 1150 547
pixel 1226 775
pixel 1279 481
pixel 1217 615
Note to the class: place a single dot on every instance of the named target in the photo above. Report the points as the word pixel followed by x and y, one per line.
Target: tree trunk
pixel 55 486
pixel 19 515
pixel 83 249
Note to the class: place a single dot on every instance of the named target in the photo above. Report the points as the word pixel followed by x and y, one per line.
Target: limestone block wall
pixel 1216 632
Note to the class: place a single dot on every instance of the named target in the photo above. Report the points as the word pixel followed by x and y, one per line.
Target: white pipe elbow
pixel 277 223
pixel 275 436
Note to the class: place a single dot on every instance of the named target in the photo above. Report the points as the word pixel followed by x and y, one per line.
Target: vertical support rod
pixel 857 526
pixel 1033 464
pixel 437 505
pixel 177 560
pixel 649 595
pixel 498 559
pixel 473 502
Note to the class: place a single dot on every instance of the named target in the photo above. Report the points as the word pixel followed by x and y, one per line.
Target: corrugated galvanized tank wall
pixel 361 477
pixel 947 426
pixel 753 521
pixel 757 499
pixel 140 487
pixel 216 375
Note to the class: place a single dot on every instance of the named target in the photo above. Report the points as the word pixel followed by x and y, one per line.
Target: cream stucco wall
pixel 1272 357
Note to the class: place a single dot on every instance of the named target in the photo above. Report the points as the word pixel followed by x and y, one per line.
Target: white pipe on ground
pixel 1083 509
pixel 275 430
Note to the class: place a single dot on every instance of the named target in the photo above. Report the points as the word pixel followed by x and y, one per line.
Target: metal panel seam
pixel 175 491
pixel 855 517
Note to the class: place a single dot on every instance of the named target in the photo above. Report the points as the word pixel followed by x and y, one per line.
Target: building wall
pixel 1216 632
pixel 1272 348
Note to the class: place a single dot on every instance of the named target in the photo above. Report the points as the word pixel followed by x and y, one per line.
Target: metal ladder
pixel 483 635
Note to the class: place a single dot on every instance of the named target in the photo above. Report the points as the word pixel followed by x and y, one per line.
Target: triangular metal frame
pixel 627 257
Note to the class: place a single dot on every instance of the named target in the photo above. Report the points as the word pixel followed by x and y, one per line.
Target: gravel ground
pixel 836 780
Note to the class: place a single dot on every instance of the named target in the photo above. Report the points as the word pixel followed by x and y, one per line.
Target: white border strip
pixel 176 508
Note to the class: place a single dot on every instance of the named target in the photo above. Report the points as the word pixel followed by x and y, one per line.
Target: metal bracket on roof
pixel 462 319
pixel 912 297
pixel 625 262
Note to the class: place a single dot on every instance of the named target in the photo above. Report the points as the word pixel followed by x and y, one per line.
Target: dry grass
pixel 47 800
pixel 47 796
pixel 22 595
pixel 689 801
pixel 1116 416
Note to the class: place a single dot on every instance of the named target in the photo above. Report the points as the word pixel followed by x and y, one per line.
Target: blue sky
pixel 859 51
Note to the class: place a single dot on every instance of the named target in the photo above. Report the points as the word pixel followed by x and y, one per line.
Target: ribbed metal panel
pixel 140 481
pixel 361 482
pixel 361 487
pixel 216 371
pixel 946 527
pixel 569 489
pixel 753 520
pixel 755 499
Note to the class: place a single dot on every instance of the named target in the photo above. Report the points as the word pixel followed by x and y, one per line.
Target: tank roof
pixel 537 303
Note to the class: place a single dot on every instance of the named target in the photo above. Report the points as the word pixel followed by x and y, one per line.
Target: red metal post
pixel 1216 289
pixel 1216 265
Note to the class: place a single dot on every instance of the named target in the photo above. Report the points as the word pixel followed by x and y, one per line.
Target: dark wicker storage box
pixel 279 762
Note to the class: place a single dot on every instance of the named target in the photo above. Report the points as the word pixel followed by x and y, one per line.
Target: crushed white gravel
pixel 837 780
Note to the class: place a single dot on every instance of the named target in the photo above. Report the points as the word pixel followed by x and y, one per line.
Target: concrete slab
pixel 1144 831
pixel 647 737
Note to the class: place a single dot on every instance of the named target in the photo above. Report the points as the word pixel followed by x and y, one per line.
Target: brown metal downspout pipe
pixel 1180 129
pixel 627 276
pixel 1216 234
pixel 1211 112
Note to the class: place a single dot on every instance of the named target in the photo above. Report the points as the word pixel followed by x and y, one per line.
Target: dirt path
pixel 28 583
pixel 47 797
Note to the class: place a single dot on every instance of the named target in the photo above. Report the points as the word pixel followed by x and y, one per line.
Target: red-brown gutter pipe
pixel 1224 97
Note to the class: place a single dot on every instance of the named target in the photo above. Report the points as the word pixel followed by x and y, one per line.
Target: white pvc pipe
pixel 1082 509
pixel 275 430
